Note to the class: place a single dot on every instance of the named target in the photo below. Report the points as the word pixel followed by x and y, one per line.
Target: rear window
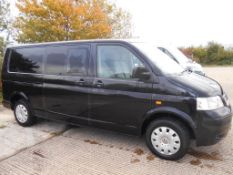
pixel 56 62
pixel 26 60
pixel 78 61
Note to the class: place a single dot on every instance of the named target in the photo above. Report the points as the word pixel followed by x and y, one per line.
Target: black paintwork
pixel 121 105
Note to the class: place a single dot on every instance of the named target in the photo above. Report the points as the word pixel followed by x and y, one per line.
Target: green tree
pixel 2 46
pixel 215 52
pixel 200 54
pixel 55 20
pixel 121 24
pixel 4 27
pixel 4 24
pixel 4 15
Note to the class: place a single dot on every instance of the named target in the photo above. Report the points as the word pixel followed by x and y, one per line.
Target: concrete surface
pixel 53 148
pixel 14 137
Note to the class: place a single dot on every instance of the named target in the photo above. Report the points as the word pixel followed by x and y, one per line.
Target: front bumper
pixel 213 125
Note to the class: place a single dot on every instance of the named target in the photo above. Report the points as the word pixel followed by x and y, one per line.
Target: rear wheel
pixel 167 138
pixel 23 114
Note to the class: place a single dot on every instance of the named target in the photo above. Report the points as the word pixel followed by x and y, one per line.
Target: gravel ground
pixel 224 75
pixel 53 148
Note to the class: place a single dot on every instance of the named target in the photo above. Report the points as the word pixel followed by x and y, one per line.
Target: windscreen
pixel 179 56
pixel 160 60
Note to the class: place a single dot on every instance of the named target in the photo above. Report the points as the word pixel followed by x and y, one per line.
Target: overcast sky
pixel 180 22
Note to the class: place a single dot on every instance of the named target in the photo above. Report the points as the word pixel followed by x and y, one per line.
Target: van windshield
pixel 160 60
pixel 180 57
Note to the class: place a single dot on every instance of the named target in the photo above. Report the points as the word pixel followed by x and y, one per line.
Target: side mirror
pixel 189 69
pixel 141 73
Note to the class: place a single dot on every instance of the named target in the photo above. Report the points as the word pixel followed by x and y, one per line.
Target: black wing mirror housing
pixel 142 73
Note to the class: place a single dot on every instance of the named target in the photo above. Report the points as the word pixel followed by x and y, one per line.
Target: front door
pixel 66 82
pixel 118 99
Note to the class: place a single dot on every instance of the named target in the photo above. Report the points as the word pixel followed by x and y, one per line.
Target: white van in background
pixel 181 59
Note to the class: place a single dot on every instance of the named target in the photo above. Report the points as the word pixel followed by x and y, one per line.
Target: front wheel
pixel 167 138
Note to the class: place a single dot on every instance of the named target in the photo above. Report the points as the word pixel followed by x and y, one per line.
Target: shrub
pixel 212 54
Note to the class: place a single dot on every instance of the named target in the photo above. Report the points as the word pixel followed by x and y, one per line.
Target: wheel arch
pixel 169 112
pixel 17 96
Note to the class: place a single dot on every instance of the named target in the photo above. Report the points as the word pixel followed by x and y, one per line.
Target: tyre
pixel 23 113
pixel 168 138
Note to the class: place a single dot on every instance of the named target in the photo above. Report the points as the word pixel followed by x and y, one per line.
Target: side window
pixel 26 60
pixel 78 61
pixel 116 62
pixel 56 62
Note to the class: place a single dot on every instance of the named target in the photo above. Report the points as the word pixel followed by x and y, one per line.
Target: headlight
pixel 209 103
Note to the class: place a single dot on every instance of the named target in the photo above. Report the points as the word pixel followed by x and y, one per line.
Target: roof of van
pixel 76 41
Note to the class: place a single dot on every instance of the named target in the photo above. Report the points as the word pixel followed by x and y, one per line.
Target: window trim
pixel 127 48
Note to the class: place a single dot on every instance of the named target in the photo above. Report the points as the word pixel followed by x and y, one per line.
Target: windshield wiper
pixel 186 70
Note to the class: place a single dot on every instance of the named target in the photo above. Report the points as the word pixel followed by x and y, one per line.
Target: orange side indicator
pixel 158 102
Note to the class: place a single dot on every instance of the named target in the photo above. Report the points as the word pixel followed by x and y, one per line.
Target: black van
pixel 129 87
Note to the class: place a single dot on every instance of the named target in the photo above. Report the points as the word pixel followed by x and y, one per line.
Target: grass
pixel 2 126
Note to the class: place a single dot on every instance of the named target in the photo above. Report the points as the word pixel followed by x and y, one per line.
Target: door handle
pixel 99 84
pixel 81 82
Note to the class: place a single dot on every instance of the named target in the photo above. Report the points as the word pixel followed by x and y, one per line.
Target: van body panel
pixel 116 103
pixel 199 85
pixel 63 95
pixel 156 112
pixel 119 103
pixel 27 85
pixel 67 93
